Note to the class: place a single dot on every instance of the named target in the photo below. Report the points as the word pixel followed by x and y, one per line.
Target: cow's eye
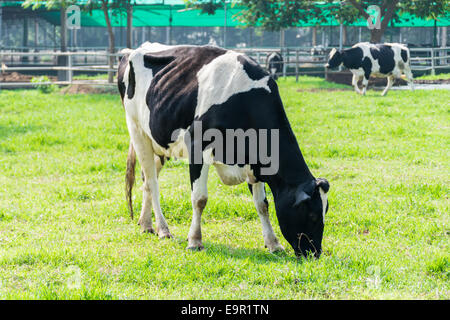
pixel 313 217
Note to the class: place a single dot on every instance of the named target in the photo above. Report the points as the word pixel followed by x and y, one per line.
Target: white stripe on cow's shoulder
pixel 324 198
pixel 222 78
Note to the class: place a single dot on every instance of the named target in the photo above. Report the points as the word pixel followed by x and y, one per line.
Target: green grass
pixel 99 76
pixel 440 76
pixel 65 232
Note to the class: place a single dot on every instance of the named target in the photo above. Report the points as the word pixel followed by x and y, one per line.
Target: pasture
pixel 65 232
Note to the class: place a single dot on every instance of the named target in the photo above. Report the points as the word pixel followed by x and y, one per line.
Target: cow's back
pixel 175 85
pixel 172 95
pixel 386 58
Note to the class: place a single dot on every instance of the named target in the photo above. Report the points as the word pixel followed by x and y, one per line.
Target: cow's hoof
pixel 199 247
pixel 165 235
pixel 275 248
pixel 147 230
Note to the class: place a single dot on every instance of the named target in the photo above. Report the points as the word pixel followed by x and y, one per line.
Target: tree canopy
pixel 276 15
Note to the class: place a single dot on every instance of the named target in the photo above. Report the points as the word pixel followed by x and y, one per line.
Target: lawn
pixel 65 232
pixel 439 76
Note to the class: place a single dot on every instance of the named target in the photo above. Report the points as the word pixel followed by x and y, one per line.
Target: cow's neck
pixel 292 170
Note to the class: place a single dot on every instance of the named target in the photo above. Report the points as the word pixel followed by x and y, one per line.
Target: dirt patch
pixel 18 77
pixel 88 89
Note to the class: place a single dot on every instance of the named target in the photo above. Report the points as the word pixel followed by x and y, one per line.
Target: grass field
pixel 65 232
pixel 440 76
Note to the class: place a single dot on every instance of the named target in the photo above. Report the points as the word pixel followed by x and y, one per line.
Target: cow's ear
pixel 334 52
pixel 301 196
pixel 303 193
pixel 323 184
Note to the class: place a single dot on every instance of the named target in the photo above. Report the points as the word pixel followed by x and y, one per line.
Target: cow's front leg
pixel 199 197
pixel 262 207
pixel 365 83
pixel 355 80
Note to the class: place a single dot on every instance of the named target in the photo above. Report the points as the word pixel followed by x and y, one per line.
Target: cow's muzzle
pixel 306 247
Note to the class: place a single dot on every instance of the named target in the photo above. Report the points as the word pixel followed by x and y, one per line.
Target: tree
pixel 62 5
pixel 348 11
pixel 105 5
pixel 275 15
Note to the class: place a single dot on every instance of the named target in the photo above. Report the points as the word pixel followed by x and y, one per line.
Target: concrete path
pixel 424 87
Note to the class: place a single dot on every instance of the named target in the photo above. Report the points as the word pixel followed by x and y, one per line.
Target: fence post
pixel 286 57
pixel 69 71
pixel 296 65
pixel 432 62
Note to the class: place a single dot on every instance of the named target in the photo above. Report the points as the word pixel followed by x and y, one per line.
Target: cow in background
pixel 364 59
pixel 274 64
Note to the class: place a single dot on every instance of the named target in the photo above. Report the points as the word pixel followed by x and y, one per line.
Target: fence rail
pixel 296 62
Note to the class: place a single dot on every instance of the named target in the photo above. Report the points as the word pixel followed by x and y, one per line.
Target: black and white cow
pixel 389 60
pixel 167 89
pixel 274 64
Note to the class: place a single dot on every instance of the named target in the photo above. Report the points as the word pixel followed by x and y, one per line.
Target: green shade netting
pixel 157 13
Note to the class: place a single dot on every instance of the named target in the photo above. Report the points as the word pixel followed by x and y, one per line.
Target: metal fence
pixel 297 61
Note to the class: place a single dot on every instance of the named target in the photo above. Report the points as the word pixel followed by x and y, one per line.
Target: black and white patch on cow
pixel 364 59
pixel 275 64
pixel 168 90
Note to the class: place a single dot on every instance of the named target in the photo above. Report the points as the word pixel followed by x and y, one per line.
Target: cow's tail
pixel 130 178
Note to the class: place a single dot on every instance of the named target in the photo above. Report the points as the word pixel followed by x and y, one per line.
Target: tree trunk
pixel 314 36
pixel 375 35
pixel 62 60
pixel 63 36
pixel 25 39
pixel 111 40
pixel 344 35
pixel 129 25
pixel 386 12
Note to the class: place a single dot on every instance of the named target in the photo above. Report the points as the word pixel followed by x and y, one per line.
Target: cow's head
pixel 301 214
pixel 274 64
pixel 334 59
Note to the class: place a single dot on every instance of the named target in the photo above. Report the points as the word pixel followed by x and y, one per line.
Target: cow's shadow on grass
pixel 256 255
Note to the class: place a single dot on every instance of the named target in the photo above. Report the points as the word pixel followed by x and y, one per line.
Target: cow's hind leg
pixel 144 151
pixel 199 197
pixel 262 207
pixel 409 78
pixel 390 82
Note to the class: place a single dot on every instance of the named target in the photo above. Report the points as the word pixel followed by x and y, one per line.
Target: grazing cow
pixel 274 64
pixel 169 92
pixel 363 59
